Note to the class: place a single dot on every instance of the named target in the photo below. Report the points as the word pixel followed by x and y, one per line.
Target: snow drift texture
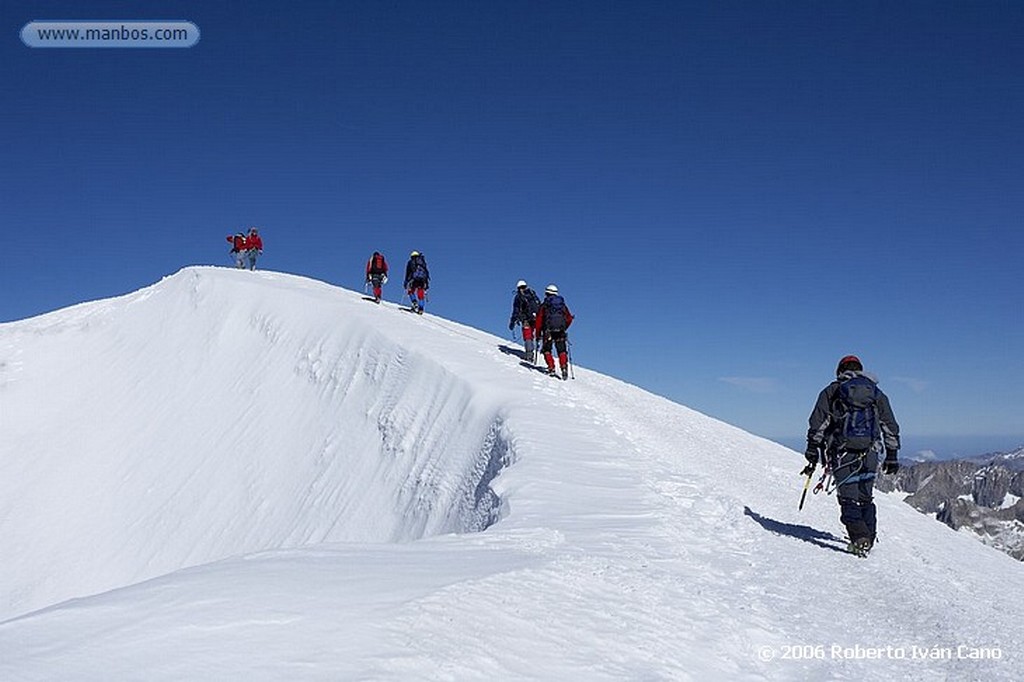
pixel 262 476
pixel 206 417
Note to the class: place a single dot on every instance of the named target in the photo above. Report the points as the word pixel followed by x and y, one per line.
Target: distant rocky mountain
pixel 983 495
pixel 1011 460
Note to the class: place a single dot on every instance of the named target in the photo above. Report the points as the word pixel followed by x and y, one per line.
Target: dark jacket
pixel 826 417
pixel 525 306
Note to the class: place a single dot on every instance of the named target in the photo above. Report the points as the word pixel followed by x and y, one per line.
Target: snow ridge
pixel 234 474
pixel 253 431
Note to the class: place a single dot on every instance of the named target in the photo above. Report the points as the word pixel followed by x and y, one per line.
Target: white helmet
pixel 520 284
pixel 551 289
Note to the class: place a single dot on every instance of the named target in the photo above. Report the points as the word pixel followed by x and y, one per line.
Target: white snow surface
pixel 253 475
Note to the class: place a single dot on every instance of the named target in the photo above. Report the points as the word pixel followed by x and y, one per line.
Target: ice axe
pixel 807 485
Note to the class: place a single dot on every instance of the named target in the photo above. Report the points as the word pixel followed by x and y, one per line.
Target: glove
pixel 813 456
pixel 384 279
pixel 511 325
pixel 891 464
pixel 813 453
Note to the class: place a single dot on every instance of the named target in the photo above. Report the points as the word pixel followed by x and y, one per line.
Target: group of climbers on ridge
pixel 546 320
pixel 246 248
pixel 851 424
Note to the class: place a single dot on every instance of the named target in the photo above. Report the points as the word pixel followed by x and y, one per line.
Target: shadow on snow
pixel 509 350
pixel 805 533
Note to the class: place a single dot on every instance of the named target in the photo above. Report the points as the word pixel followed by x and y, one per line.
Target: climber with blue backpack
pixel 852 422
pixel 552 325
pixel 417 281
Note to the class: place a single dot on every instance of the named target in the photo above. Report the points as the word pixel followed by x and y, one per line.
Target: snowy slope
pixel 235 475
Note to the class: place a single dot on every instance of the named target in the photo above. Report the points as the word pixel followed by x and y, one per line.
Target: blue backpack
pixel 554 314
pixel 858 417
pixel 419 269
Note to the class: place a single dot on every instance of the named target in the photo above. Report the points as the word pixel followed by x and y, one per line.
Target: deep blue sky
pixel 731 195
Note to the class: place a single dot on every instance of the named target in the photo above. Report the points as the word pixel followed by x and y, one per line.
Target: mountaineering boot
pixel 551 372
pixel 565 373
pixel 860 547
